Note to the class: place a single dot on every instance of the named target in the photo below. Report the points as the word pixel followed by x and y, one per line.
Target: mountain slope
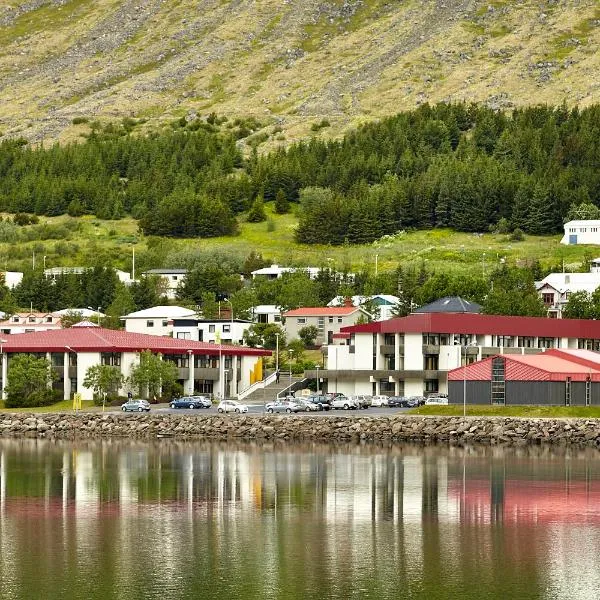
pixel 289 64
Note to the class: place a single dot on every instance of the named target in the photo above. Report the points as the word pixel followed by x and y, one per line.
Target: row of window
pixel 320 321
pixel 583 230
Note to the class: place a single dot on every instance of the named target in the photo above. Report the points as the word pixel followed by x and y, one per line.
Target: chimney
pixel 348 302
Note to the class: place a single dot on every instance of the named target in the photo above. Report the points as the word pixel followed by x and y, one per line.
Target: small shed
pixel 582 232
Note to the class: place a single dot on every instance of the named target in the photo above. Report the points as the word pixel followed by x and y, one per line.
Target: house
pixel 224 331
pixel 561 377
pixel 327 319
pixel 157 320
pixel 86 313
pixel 581 232
pixel 383 303
pixel 266 313
pixel 171 279
pixel 412 355
pixel 202 368
pixel 26 322
pixel 55 272
pixel 12 279
pixel 555 288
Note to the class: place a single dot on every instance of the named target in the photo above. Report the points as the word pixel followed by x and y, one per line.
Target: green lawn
pixel 440 249
pixel 63 406
pixel 456 410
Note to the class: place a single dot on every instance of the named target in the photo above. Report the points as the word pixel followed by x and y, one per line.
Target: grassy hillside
pixel 293 65
pixel 87 240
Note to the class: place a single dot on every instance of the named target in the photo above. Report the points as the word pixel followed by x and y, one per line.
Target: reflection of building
pixel 201 367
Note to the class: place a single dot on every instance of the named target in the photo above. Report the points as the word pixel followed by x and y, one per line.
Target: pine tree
pixel 257 214
pixel 282 206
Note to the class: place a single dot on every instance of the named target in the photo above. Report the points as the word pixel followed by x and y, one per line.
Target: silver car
pixel 136 406
pixel 307 405
pixel 287 406
pixel 344 402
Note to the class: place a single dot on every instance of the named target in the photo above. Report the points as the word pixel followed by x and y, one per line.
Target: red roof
pixel 482 324
pixel 322 311
pixel 98 339
pixel 528 367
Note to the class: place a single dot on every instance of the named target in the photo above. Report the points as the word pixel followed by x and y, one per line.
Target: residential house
pixel 202 368
pixel 328 320
pixel 266 313
pixel 581 232
pixel 27 322
pixel 383 303
pixel 412 355
pixel 55 272
pixel 171 279
pixel 157 320
pixel 555 288
pixel 224 331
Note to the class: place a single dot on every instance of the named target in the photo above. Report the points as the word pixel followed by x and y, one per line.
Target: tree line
pixel 463 166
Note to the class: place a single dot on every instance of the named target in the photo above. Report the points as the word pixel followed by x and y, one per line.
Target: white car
pixel 379 401
pixel 226 406
pixel 344 402
pixel 436 400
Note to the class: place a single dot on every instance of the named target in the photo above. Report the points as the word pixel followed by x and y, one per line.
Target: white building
pixel 224 331
pixel 12 278
pixel 55 272
pixel 157 320
pixel 266 313
pixel 28 322
pixel 581 232
pixel 412 355
pixel 384 304
pixel 202 368
pixel 171 278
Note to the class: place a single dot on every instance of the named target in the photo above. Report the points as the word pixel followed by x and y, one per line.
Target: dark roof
pixel 470 323
pixel 450 304
pixel 98 339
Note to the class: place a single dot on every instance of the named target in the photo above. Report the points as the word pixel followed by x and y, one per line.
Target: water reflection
pixel 118 519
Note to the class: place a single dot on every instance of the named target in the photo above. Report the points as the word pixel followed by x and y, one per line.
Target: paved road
pixel 259 409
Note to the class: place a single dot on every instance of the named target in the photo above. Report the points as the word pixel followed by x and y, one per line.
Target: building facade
pixel 171 279
pixel 215 369
pixel 581 232
pixel 412 355
pixel 212 331
pixel 27 322
pixel 157 320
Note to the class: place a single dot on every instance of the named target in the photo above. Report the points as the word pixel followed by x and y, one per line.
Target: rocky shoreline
pixel 402 428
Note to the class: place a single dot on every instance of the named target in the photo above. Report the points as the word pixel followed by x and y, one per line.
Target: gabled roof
pixel 583 223
pixel 161 312
pixel 320 311
pixel 469 323
pixel 450 304
pixel 377 299
pixel 98 339
pixel 570 282
pixel 582 357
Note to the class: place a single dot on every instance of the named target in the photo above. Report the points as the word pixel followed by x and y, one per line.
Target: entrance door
pixel 572 239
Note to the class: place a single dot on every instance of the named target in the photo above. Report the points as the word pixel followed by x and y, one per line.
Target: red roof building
pixel 202 367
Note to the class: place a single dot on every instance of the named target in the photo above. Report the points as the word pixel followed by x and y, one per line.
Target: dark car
pixel 322 402
pixel 190 402
pixel 398 402
pixel 416 401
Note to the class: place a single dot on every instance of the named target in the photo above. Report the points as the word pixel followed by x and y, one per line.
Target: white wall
pixel 140 326
pixel 85 360
pixel 413 351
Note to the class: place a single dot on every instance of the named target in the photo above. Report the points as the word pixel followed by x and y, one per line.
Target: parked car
pixel 379 401
pixel 190 402
pixel 283 406
pixel 320 401
pixel 416 401
pixel 332 395
pixel 436 399
pixel 344 402
pixel 399 401
pixel 226 406
pixel 306 404
pixel 136 406
pixel 364 401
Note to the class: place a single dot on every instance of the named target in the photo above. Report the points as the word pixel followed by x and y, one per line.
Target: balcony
pixel 387 349
pixel 430 349
pixel 375 373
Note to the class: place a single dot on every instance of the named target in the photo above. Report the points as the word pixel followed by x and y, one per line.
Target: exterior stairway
pixel 271 391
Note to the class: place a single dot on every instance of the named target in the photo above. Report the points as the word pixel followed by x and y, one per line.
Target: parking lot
pixel 259 409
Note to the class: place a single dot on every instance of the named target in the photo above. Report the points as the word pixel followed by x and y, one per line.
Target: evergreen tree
pixel 282 206
pixel 257 213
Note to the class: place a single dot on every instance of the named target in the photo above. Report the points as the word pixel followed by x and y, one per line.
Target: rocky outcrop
pixel 449 430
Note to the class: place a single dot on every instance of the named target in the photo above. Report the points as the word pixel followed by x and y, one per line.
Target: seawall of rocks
pixel 448 430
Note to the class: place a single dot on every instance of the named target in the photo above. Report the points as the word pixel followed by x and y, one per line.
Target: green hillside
pixel 314 67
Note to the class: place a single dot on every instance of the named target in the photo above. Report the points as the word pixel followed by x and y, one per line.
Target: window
pixel 174 277
pixel 301 320
pixel 504 341
pixel 165 323
pixel 226 328
pixel 15 319
pixel 431 362
pixel 331 319
pixel 179 360
pixel 48 319
pixel 389 339
pixel 545 342
pixel 431 339
pixel 149 323
pixel 211 329
pixel 277 318
pixel 31 319
pixel 340 319
pixel 112 359
pixel 184 335
pixel 389 360
pixel 387 387
pixel 548 299
pixel 57 359
pixel 431 386
pixel 525 342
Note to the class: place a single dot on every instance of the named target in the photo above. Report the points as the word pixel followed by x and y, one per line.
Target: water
pixel 127 520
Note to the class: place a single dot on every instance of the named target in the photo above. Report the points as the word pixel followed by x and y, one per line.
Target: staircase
pixel 273 390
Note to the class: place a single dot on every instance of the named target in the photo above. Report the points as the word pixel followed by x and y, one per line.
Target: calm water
pixel 216 521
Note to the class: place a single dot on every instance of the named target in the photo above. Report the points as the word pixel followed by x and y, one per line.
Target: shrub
pixel 79 120
pixel 517 235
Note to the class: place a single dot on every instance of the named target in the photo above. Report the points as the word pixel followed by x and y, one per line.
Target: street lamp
pixel 97 313
pixel 2 342
pixel 276 352
pixel 317 380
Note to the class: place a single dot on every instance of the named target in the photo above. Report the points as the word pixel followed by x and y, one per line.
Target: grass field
pixel 63 406
pixel 485 410
pixel 88 240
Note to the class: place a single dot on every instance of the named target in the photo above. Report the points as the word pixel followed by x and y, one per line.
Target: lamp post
pixel 276 352
pixel 97 313
pixel 317 380
pixel 4 371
